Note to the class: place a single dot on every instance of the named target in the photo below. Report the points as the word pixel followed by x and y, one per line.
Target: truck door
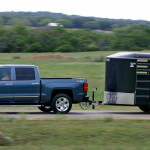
pixel 26 85
pixel 6 85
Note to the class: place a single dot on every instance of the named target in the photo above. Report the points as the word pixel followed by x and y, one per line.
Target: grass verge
pixel 103 134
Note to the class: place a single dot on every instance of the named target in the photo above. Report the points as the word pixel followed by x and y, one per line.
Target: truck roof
pixel 17 65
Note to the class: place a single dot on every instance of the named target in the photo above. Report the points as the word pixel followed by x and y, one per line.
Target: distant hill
pixel 38 19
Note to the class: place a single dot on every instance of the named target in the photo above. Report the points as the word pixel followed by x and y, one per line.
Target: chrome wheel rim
pixel 62 104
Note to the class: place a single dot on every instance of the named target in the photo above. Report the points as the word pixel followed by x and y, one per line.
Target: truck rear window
pixel 25 74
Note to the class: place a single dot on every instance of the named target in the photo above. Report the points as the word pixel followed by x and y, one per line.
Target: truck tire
pixel 145 108
pixel 61 103
pixel 45 108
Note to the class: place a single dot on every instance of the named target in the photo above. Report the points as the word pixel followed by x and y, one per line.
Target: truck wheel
pixel 145 108
pixel 45 108
pixel 61 103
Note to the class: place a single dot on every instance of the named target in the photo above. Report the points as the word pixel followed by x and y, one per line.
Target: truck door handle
pixel 8 84
pixel 35 83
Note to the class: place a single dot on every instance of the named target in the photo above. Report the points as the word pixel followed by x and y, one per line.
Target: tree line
pixel 41 19
pixel 20 38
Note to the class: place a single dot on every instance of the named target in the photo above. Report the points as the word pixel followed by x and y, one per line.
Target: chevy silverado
pixel 22 85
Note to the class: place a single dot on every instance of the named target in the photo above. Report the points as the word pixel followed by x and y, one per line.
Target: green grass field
pixel 89 65
pixel 105 134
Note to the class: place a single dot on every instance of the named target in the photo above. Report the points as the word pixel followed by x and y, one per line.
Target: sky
pixel 117 9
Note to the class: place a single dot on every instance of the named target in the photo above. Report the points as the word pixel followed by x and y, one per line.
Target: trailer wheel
pixel 61 103
pixel 145 108
pixel 45 108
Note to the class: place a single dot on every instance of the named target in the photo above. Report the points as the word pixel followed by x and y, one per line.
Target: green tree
pixel 44 21
pixel 1 21
pixel 65 22
pixel 131 38
pixel 91 25
pixel 19 21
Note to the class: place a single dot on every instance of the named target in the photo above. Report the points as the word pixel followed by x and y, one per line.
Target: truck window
pixel 5 74
pixel 25 74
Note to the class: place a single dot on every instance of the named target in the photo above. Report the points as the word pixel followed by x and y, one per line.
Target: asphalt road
pixel 77 114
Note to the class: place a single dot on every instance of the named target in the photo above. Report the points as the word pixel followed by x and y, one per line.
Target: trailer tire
pixel 45 108
pixel 61 103
pixel 145 108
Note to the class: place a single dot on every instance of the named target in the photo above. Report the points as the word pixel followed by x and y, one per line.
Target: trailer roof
pixel 129 55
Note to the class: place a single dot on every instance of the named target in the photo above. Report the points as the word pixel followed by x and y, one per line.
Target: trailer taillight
pixel 134 92
pixel 85 87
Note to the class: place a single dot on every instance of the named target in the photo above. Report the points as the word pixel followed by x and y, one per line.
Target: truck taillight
pixel 85 87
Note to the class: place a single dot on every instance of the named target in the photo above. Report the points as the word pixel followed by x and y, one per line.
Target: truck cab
pixel 19 84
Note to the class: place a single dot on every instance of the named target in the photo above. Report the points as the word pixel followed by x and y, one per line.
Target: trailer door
pixel 143 82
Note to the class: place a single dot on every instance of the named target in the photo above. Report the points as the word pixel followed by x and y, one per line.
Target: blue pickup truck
pixel 22 85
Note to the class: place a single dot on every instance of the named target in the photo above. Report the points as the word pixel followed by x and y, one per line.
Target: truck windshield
pixel 25 74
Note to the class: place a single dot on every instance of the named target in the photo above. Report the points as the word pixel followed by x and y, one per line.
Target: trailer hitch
pixel 88 103
pixel 93 102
